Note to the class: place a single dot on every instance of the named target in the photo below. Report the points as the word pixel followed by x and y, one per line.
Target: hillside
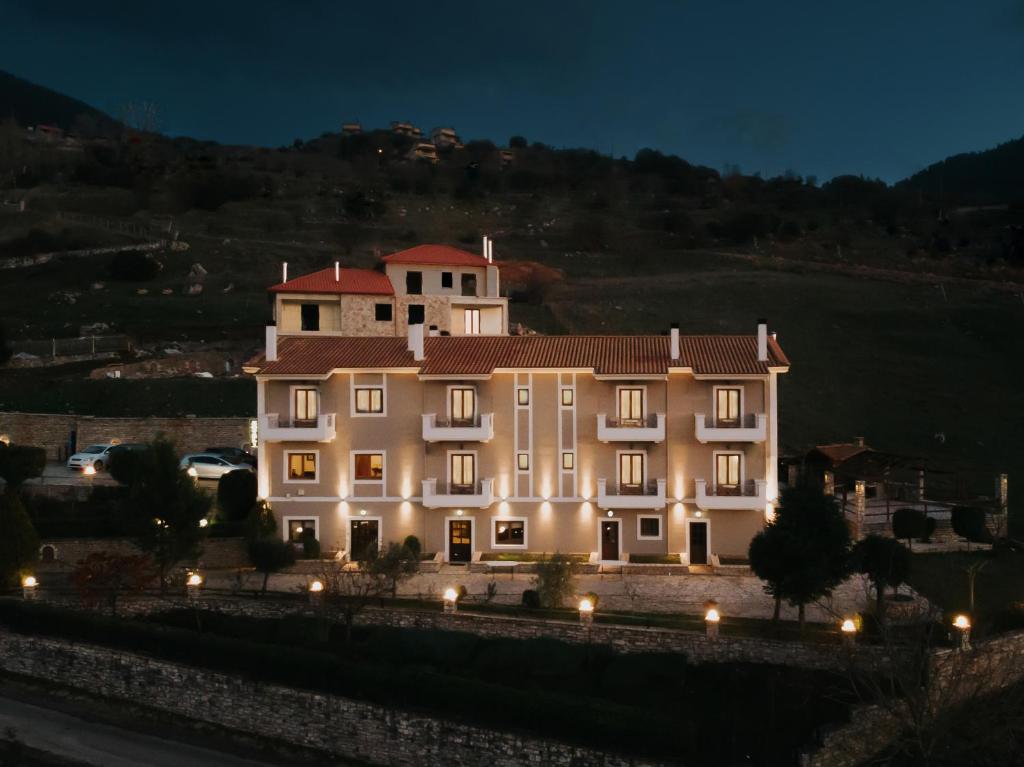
pixel 31 104
pixel 989 177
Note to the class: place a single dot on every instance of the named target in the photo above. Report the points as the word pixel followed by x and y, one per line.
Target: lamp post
pixel 29 586
pixel 963 626
pixel 711 620
pixel 451 600
pixel 849 631
pixel 586 608
pixel 316 593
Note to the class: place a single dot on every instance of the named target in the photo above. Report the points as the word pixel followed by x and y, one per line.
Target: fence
pixel 73 347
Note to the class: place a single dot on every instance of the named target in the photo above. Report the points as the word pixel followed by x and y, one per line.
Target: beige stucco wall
pixel 559 505
pixel 432 278
pixel 289 312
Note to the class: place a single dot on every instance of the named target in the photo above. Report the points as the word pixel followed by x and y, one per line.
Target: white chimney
pixel 490 250
pixel 416 341
pixel 674 334
pixel 271 350
pixel 337 271
pixel 284 271
pixel 484 252
pixel 433 332
pixel 762 340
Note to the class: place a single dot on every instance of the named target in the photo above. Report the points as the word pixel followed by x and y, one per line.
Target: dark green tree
pixel 908 524
pixel 394 565
pixel 165 506
pixel 19 463
pixel 236 494
pixel 19 544
pixel 270 555
pixel 885 561
pixel 260 523
pixel 555 581
pixel 969 523
pixel 772 553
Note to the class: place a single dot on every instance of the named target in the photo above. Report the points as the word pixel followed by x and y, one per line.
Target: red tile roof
pixel 436 255
pixel 351 281
pixel 481 355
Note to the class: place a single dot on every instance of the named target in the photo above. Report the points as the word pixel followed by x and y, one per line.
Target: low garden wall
pixel 217 553
pixel 341 726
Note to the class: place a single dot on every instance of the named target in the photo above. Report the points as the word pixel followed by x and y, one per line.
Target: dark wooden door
pixel 610 540
pixel 698 543
pixel 365 535
pixel 460 540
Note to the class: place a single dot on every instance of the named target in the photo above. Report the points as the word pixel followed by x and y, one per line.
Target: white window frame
pixel 353 386
pixel 448 399
pixel 313 481
pixel 702 520
pixel 519 469
pixel 600 547
pixel 714 467
pixel 618 467
pixel 448 534
pixel 471 319
pixel 357 517
pixel 299 517
pixel 561 394
pixel 382 482
pixel 448 468
pixel 643 400
pixel 661 527
pixel 562 462
pixel 291 400
pixel 714 400
pixel 525 389
pixel 494 533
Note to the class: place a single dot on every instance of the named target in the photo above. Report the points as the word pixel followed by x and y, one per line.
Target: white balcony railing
pixel 480 429
pixel 441 495
pixel 273 429
pixel 648 496
pixel 751 428
pixel 649 429
pixel 752 495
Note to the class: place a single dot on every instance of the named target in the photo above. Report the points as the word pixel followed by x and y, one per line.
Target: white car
pixel 210 466
pixel 96 456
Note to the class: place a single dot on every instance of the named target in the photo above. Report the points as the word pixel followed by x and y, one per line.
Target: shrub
pixel 908 524
pixel 270 555
pixel 886 563
pixel 310 545
pixel 19 544
pixel 555 580
pixel 236 494
pixel 124 465
pixel 531 599
pixel 133 266
pixel 412 543
pixel 969 523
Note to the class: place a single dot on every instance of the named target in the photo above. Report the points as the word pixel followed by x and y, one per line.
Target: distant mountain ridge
pixel 988 177
pixel 32 104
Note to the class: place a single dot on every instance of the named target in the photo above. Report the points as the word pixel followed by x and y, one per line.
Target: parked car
pixel 234 454
pixel 96 456
pixel 210 466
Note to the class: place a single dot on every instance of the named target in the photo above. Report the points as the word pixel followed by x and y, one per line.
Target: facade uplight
pixel 451 600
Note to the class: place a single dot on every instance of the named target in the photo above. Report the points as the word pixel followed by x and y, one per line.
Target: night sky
pixel 819 87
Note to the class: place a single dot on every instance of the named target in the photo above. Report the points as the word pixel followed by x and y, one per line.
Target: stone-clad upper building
pixel 394 403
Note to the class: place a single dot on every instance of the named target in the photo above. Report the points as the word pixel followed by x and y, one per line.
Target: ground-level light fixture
pixel 29 585
pixel 711 621
pixel 316 592
pixel 586 607
pixel 193 583
pixel 451 600
pixel 204 522
pixel 849 630
pixel 962 624
pixel 89 470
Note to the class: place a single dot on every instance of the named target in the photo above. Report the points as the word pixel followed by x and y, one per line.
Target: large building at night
pixel 393 402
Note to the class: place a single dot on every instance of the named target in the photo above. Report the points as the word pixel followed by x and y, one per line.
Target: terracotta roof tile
pixel 481 355
pixel 436 255
pixel 351 281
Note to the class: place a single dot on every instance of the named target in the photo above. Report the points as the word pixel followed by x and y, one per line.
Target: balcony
pixel 442 495
pixel 273 429
pixel 751 428
pixel 751 495
pixel 480 429
pixel 649 429
pixel 649 496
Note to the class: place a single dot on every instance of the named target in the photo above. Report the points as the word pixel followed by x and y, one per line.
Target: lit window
pixel 302 466
pixel 472 322
pixel 523 397
pixel 523 461
pixel 369 467
pixel 727 407
pixel 370 399
pixel 463 405
pixel 727 472
pixel 631 472
pixel 306 404
pixel 631 405
pixel 300 530
pixel 568 461
pixel 509 533
pixel 567 397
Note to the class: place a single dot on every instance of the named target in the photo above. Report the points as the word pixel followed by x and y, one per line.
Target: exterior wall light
pixel 459 512
pixel 451 600
pixel 586 612
pixel 610 513
pixel 963 626
pixel 29 586
pixel 711 620
pixel 698 513
pixel 362 512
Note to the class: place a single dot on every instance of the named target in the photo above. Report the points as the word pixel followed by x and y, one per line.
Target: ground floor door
pixel 698 543
pixel 364 536
pixel 460 540
pixel 610 539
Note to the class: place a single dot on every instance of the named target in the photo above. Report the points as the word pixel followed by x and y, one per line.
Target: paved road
pixel 104 745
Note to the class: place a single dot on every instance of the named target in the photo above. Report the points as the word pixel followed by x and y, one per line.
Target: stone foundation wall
pixel 341 726
pixel 52 431
pixel 217 553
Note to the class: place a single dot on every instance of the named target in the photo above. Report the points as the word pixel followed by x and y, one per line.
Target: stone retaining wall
pixel 217 553
pixel 341 726
pixel 189 434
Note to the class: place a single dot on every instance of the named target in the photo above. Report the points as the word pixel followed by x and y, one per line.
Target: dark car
pixel 233 454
